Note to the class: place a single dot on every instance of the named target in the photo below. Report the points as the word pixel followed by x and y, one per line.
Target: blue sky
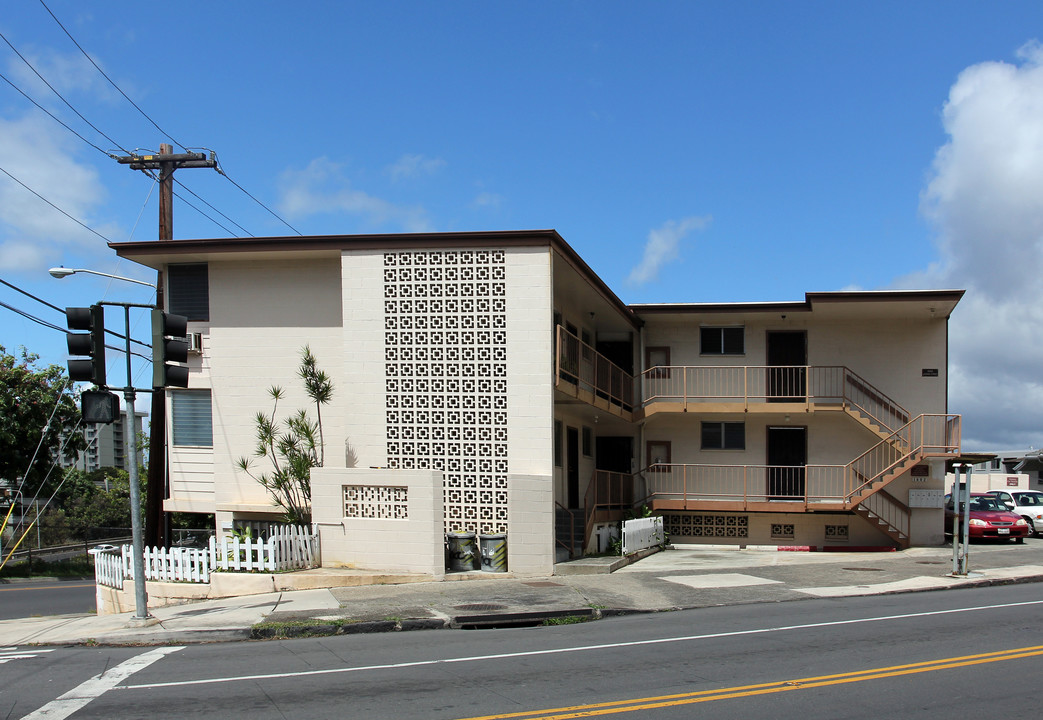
pixel 689 151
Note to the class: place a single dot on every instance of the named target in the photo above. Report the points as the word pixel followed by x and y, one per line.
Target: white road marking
pixel 582 648
pixel 12 653
pixel 719 580
pixel 70 702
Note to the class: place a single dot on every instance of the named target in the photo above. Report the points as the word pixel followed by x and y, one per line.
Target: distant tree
pixel 293 452
pixel 37 405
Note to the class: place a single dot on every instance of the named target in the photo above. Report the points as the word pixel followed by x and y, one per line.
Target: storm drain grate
pixel 930 562
pixel 863 569
pixel 480 607
pixel 542 583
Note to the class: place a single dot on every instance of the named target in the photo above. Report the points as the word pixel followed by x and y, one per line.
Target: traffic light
pixel 91 344
pixel 98 406
pixel 169 345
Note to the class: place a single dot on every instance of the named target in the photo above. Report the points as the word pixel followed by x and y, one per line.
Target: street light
pixel 63 272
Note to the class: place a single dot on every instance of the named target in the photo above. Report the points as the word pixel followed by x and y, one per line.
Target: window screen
pixel 188 287
pixel 192 421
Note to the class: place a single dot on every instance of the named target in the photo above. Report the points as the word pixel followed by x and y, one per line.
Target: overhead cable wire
pixel 60 96
pixel 55 118
pixel 244 190
pixel 213 208
pixel 111 82
pixel 52 326
pixel 30 295
pixel 81 224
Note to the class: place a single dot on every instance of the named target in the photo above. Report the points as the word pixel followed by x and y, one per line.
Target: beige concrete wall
pixel 261 315
pixel 890 355
pixel 415 543
pixel 530 542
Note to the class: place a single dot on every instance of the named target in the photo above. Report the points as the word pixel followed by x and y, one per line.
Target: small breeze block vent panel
pixel 375 501
pixel 703 525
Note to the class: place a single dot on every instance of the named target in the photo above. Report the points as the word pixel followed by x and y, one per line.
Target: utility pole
pixel 166 162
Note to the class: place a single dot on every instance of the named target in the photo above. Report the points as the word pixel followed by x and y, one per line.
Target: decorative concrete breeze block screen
pixel 375 501
pixel 445 344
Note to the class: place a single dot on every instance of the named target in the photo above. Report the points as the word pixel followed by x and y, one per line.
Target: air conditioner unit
pixel 195 342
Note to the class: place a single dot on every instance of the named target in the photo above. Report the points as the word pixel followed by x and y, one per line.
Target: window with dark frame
pixel 658 455
pixel 588 441
pixel 723 436
pixel 188 291
pixel 657 362
pixel 722 340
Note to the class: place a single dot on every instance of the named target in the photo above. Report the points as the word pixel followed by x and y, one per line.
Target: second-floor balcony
pixel 584 373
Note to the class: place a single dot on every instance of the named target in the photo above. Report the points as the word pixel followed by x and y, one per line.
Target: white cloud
pixel 984 199
pixel 33 234
pixel 322 188
pixel 487 200
pixel 662 247
pixel 411 166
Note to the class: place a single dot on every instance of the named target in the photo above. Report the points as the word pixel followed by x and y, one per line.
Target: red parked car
pixel 989 518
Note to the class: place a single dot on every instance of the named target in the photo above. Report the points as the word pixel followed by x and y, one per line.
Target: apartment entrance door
pixel 787 458
pixel 787 360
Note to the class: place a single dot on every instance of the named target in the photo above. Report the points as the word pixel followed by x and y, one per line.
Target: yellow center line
pixel 662 701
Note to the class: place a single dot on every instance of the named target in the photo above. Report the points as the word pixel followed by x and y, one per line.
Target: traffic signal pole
pixel 166 162
pixel 137 541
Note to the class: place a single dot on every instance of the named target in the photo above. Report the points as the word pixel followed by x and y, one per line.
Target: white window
pixel 192 418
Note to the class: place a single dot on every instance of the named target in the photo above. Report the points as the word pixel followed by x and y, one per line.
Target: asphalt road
pixel 928 655
pixel 20 599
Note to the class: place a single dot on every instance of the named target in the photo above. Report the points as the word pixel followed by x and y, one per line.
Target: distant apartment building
pixel 107 444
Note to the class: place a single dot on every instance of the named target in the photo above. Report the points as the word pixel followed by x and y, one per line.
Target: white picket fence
pixel 289 548
pixel 642 533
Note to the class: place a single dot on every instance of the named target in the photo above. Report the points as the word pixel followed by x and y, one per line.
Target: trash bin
pixel 462 551
pixel 494 553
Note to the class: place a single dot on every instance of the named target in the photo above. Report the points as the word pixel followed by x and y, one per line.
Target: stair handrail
pixel 901 445
pixel 594 499
pixel 572 530
pixel 869 391
pixel 888 508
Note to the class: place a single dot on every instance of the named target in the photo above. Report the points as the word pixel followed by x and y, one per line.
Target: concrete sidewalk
pixel 675 579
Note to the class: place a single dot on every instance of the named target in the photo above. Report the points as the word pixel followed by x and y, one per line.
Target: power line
pixel 52 326
pixel 143 113
pixel 272 212
pixel 60 97
pixel 85 227
pixel 181 184
pixel 54 117
pixel 28 294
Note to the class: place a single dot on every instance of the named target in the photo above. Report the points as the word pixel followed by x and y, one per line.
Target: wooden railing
pixel 580 365
pixel 745 384
pixel 608 496
pixel 807 485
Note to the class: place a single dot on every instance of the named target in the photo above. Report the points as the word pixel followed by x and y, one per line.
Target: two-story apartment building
pixel 492 382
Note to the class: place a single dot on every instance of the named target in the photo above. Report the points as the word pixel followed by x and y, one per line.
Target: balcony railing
pixel 744 385
pixel 695 486
pixel 590 374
